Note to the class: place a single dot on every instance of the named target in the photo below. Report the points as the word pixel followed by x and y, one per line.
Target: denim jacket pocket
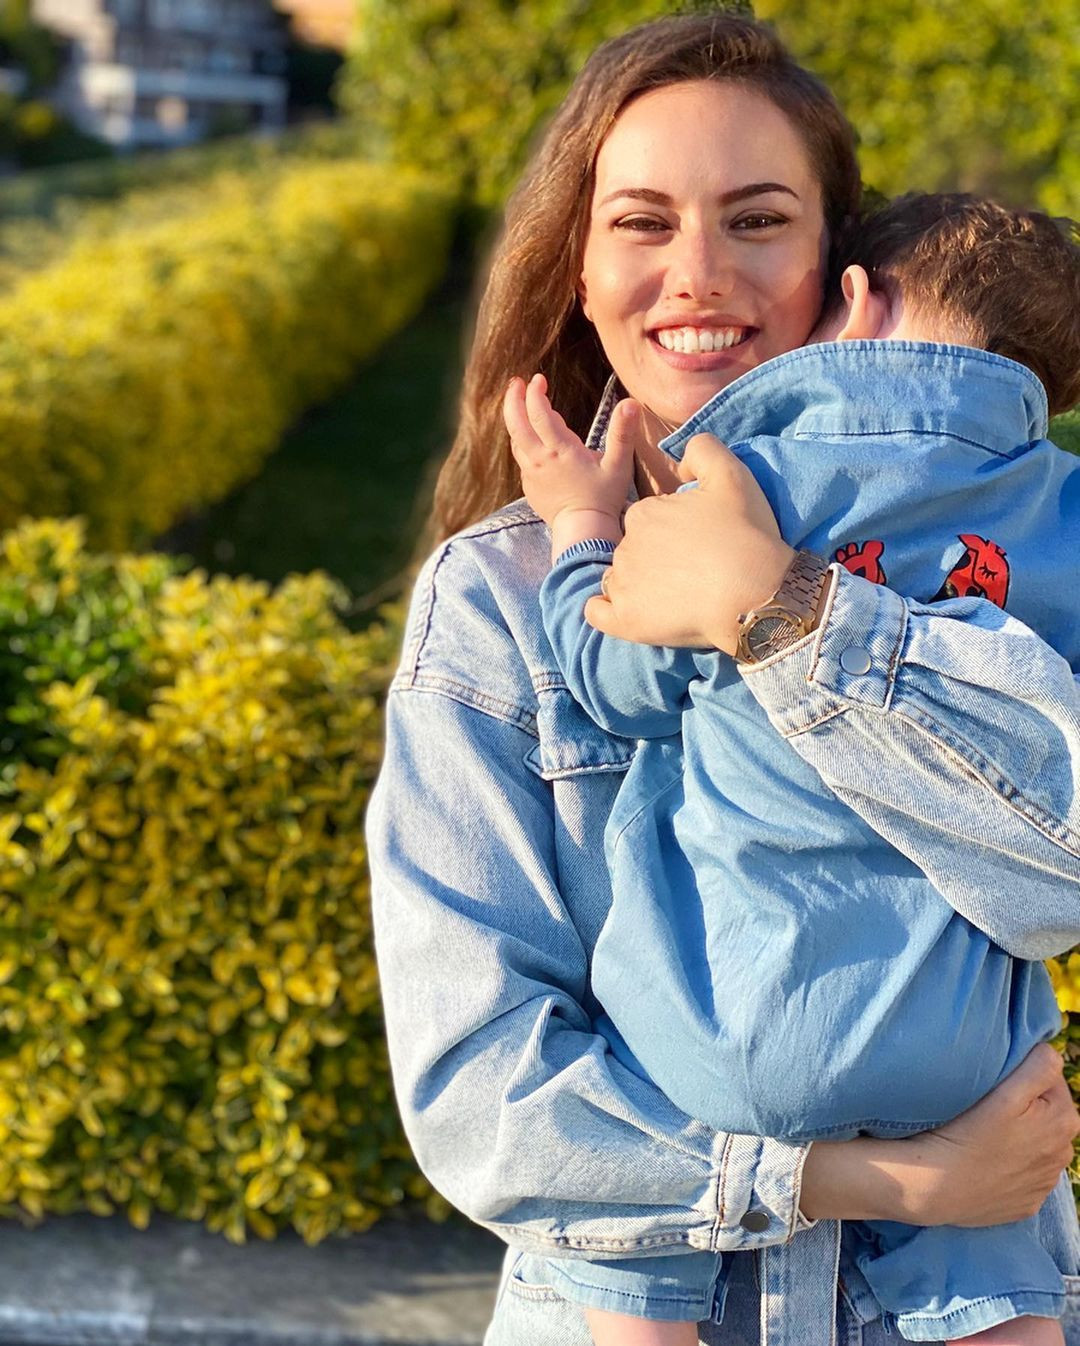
pixel 570 743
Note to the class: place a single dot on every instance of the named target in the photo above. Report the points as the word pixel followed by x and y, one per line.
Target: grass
pixel 349 488
pixel 1065 431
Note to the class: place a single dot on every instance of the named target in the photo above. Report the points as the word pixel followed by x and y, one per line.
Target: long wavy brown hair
pixel 529 317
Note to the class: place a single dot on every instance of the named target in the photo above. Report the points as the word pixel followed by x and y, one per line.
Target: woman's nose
pixel 700 267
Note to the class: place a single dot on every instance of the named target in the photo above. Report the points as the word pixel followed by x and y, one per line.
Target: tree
pixel 464 84
pixel 27 45
pixel 975 95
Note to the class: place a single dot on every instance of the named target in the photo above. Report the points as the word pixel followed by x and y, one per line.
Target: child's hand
pixel 574 489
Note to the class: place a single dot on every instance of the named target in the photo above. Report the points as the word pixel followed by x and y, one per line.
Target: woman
pixel 486 828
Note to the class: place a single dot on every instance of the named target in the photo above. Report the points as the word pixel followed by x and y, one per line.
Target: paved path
pixel 82 1281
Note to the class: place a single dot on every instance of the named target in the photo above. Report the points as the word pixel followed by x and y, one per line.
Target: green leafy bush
pixel 189 1018
pixel 149 370
pixel 952 96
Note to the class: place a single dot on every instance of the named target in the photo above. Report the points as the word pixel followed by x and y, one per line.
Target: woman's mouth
pixel 696 340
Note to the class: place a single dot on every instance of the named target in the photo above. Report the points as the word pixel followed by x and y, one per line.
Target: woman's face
pixel 706 245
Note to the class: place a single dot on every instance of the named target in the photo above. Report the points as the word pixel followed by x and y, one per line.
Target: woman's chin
pixel 687 387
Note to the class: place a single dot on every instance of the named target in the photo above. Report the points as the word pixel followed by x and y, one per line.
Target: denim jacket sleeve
pixel 515 1106
pixel 638 691
pixel 954 731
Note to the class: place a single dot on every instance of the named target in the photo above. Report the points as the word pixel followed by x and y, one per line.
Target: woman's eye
pixel 759 220
pixel 646 224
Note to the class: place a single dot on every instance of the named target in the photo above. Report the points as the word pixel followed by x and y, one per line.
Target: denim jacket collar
pixel 857 387
pixel 598 430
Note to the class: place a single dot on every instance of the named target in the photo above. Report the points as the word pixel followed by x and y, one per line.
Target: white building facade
pixel 168 72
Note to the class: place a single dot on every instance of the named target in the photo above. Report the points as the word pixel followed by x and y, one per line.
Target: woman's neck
pixel 654 471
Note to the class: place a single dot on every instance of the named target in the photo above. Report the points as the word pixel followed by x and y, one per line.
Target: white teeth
pixel 691 340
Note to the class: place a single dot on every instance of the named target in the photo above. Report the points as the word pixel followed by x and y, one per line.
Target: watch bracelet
pixel 803 583
pixel 796 602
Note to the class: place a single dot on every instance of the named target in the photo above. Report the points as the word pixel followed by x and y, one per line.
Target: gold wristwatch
pixel 792 612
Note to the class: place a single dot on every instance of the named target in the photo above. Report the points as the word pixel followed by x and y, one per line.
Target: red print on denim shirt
pixel 982 572
pixel 863 558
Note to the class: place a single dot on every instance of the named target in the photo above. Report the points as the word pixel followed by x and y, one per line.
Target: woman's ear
pixel 583 297
pixel 866 310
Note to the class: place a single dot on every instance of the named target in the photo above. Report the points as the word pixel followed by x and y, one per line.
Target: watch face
pixel 769 635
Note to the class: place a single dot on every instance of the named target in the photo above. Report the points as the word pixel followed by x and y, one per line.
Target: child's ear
pixel 866 311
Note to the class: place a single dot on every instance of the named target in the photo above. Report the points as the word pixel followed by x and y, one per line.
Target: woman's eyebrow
pixel 726 198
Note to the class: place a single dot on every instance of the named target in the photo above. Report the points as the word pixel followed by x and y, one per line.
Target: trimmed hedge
pixel 189 1015
pixel 146 373
pixel 51 194
pixel 43 212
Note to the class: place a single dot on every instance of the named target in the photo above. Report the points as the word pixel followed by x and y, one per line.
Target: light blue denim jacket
pixel 490 887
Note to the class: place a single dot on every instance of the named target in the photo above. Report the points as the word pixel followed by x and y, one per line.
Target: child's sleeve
pixel 638 691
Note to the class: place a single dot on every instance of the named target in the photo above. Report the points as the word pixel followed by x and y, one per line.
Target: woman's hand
pixel 579 493
pixel 691 564
pixel 995 1163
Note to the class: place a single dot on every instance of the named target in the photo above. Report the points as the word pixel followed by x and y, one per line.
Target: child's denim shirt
pixel 754 909
pixel 490 888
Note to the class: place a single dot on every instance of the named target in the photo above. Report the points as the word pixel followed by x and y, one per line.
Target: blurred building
pixel 326 23
pixel 168 72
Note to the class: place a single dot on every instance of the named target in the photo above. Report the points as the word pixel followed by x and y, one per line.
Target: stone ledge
pixel 83 1281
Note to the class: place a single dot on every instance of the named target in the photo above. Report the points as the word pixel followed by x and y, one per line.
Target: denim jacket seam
pixel 593 1243
pixel 990 774
pixel 805 727
pixel 721 1190
pixel 422 624
pixel 895 659
pixel 465 695
pixel 796 1219
pixel 553 773
pixel 896 432
pixel 550 681
pixel 826 611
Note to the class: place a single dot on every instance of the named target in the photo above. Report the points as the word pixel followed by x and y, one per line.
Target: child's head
pixel 956 268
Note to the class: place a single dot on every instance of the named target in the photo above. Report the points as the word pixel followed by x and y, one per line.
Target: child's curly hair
pixel 1005 280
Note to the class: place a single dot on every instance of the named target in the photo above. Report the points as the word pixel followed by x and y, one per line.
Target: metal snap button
pixel 856 660
pixel 755 1221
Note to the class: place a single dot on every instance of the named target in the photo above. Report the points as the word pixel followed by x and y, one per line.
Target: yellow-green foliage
pixel 981 97
pixel 146 373
pixel 469 82
pixel 189 1019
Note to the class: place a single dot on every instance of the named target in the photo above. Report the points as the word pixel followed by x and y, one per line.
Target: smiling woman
pixel 699 266
pixel 670 235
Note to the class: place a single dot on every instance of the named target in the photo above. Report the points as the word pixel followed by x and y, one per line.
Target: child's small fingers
pixel 523 438
pixel 546 421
